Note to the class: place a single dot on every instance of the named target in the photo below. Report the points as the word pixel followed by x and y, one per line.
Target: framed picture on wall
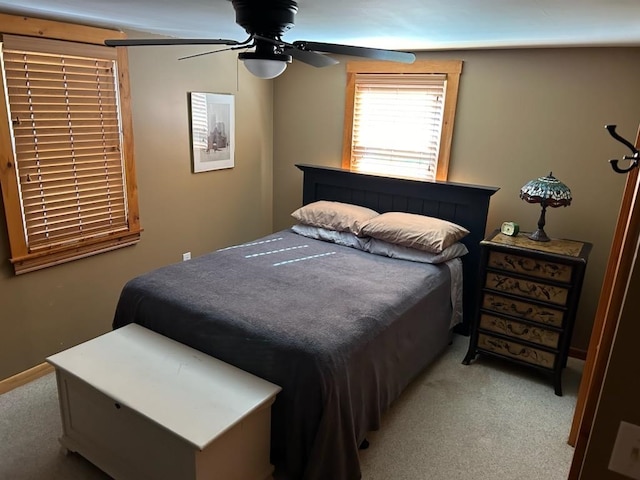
pixel 212 117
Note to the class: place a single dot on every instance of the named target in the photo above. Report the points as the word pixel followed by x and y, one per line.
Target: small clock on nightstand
pixel 528 298
pixel 510 228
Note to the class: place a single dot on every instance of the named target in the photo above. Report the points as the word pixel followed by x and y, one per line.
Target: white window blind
pixel 67 140
pixel 397 124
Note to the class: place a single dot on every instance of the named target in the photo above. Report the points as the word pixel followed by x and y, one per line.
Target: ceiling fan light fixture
pixel 265 66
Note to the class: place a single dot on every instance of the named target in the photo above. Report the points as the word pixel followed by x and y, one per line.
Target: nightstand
pixel 527 303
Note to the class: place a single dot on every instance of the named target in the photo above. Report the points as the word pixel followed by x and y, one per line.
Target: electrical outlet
pixel 625 457
pixel 186 256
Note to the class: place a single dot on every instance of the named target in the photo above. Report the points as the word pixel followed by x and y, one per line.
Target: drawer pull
pixel 528 291
pixel 524 313
pixel 518 331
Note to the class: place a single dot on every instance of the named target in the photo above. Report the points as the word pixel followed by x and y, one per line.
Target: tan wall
pixel 47 311
pixel 520 115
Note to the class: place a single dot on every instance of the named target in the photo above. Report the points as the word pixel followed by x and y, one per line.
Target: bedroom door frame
pixel 619 266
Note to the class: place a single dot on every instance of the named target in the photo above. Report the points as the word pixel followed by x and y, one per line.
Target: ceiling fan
pixel 266 21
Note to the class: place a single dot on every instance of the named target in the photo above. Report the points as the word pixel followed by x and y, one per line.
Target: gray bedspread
pixel 340 330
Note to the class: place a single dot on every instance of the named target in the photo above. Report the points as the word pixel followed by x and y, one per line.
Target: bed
pixel 341 330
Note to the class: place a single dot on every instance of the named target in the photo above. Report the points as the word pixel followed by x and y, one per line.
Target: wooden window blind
pixel 399 118
pixel 65 121
pixel 397 122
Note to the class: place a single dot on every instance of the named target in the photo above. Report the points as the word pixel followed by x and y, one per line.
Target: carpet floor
pixel 487 421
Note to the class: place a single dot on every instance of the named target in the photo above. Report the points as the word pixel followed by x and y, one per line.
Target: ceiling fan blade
pixel 311 58
pixel 375 53
pixel 133 42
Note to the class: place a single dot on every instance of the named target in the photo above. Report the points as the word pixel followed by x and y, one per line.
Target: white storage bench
pixel 142 406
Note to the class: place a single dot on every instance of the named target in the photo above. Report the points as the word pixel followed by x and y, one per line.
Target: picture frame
pixel 212 121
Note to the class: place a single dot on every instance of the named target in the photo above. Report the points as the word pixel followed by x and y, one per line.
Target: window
pixel 69 187
pixel 399 118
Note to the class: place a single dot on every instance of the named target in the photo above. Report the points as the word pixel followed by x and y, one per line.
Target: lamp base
pixel 539 236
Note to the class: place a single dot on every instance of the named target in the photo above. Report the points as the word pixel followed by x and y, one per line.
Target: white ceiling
pixel 394 24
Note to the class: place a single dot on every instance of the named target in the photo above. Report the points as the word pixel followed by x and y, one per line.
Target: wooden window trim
pixel 23 260
pixel 453 70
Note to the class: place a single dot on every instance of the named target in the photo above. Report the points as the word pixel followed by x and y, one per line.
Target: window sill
pixel 50 258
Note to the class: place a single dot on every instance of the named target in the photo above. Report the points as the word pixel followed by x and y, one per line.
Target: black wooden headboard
pixel 466 205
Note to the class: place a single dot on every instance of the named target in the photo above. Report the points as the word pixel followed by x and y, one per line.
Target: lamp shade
pixel 548 192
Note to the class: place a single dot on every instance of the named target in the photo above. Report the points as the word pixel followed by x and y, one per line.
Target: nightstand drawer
pixel 523 309
pixel 516 350
pixel 519 331
pixel 530 266
pixel 527 288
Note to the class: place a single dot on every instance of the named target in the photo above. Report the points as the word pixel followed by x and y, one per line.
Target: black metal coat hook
pixel 634 158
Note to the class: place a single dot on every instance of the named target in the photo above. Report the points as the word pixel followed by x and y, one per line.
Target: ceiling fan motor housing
pixel 267 18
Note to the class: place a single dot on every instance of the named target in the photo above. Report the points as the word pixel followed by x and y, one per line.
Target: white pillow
pixel 416 231
pixel 380 247
pixel 343 217
pixel 347 239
